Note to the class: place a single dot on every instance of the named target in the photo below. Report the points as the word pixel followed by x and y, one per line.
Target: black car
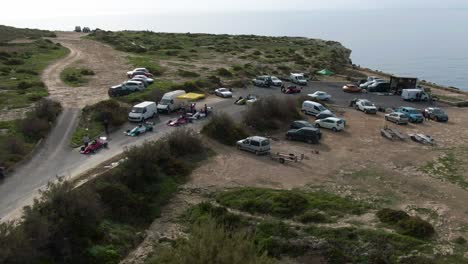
pixel 300 124
pixel 379 88
pixel 119 90
pixel 310 135
pixel 436 114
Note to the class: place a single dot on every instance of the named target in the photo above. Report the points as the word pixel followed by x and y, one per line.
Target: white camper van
pixel 142 111
pixel 170 102
pixel 414 95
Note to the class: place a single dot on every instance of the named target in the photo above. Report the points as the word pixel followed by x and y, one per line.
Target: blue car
pixel 415 116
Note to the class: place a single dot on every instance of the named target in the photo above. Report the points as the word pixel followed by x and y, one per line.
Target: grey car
pixel 397 118
pixel 255 144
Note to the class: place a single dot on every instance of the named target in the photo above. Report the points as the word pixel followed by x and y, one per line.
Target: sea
pixel 430 44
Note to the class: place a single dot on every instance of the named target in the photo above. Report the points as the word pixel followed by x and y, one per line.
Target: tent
pixel 325 72
pixel 191 96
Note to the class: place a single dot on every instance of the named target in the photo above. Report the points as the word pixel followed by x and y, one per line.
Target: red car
pixel 291 90
pixel 182 120
pixel 352 88
pixel 94 146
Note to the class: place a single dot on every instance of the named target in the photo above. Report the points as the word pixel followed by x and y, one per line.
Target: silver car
pixel 255 144
pixel 397 118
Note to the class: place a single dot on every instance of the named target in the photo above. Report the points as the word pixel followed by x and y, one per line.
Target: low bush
pixel 210 243
pixel 271 113
pixel 313 216
pixel 224 72
pixel 406 224
pixel 187 74
pixel 38 122
pixel 223 129
pixel 113 111
pixel 76 76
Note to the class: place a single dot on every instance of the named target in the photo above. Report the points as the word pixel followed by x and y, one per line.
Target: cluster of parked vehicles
pixel 139 79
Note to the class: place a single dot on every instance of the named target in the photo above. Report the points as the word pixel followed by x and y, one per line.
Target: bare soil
pixel 108 64
pixel 357 162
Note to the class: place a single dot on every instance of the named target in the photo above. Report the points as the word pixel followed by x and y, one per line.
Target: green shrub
pixel 271 113
pixel 224 72
pixel 223 129
pixel 407 225
pixel 460 240
pixel 87 72
pixel 313 216
pixel 210 243
pixel 104 254
pixel 187 74
pixel 206 210
pixel 390 216
pixel 416 227
pixel 13 61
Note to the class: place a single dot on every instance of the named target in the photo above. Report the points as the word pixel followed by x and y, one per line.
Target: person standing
pixel 206 110
pixel 106 126
pixel 86 140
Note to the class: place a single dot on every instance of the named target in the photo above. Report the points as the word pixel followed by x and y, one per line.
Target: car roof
pixel 144 104
pixel 309 128
pixel 257 138
pixel 408 108
pixel 333 118
pixel 134 82
pixel 312 102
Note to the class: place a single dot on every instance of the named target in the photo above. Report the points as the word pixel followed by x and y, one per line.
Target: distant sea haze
pixel 429 44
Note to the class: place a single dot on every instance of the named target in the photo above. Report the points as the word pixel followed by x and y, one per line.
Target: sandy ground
pixel 357 162
pixel 108 64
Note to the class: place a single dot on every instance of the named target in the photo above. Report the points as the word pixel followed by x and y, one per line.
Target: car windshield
pixel 165 101
pixel 438 111
pixel 222 90
pixel 300 77
pixel 367 104
pixel 274 78
pixel 413 111
pixel 321 108
pixel 137 110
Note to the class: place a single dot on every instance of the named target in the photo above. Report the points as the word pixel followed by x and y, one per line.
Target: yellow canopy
pixel 191 96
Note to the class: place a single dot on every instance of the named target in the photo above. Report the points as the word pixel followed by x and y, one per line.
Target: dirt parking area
pixel 357 162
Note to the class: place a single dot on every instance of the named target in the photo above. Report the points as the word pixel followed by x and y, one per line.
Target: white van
pixel 313 108
pixel 142 111
pixel 414 95
pixel 298 78
pixel 169 102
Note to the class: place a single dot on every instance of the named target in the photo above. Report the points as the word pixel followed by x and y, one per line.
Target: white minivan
pixel 414 95
pixel 255 144
pixel 314 108
pixel 298 78
pixel 169 102
pixel 142 111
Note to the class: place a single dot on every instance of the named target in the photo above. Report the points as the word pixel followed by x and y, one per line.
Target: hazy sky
pixel 30 9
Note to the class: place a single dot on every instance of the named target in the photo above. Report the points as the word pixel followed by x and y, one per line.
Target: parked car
pixel 119 90
pixel 436 114
pixel 397 118
pixel 263 81
pixel 300 124
pixel 140 129
pixel 291 89
pixel 319 95
pixel 255 144
pixel 334 123
pixel 313 108
pixel 142 70
pixel 366 106
pixel 94 146
pixel 223 92
pixel 125 88
pixel 147 74
pixel 138 79
pixel 143 111
pixel 414 95
pixel 307 134
pixel 298 78
pixel 325 114
pixel 275 81
pixel 380 87
pixel 148 79
pixel 170 101
pixel 351 88
pixel 414 115
pixel 371 82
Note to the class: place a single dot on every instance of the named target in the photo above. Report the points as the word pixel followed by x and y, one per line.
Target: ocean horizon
pixel 430 44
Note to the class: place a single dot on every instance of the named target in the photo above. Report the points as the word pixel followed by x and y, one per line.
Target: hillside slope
pixel 10 33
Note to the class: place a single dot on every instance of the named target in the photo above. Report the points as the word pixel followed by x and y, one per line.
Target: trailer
pixel 286 157
pixel 397 84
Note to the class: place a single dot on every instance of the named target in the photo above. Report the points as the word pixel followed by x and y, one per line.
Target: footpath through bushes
pixel 101 221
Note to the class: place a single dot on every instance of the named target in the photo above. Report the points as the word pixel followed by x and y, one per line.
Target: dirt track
pixel 108 64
